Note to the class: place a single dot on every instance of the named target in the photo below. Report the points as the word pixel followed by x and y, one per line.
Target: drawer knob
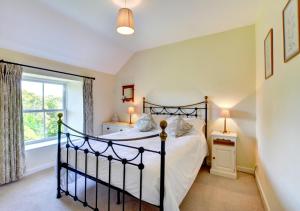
pixel 121 129
pixel 214 157
pixel 107 128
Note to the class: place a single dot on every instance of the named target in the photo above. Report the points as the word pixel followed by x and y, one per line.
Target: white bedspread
pixel 184 156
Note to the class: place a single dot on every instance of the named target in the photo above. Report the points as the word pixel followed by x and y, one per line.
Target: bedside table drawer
pixel 108 128
pixel 224 142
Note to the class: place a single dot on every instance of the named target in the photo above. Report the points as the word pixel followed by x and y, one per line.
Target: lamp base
pixel 225 128
pixel 130 119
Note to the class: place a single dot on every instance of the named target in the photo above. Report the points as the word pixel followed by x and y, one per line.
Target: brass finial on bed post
pixel 60 115
pixel 206 99
pixel 163 135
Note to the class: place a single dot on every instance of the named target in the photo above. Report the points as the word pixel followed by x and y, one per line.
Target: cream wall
pixel 221 66
pixel 277 116
pixel 103 85
pixel 40 158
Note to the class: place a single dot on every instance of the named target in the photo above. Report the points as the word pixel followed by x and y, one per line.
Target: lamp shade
pixel 225 113
pixel 125 22
pixel 130 110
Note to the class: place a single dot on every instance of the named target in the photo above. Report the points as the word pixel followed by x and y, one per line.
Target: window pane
pixel 33 126
pixel 32 95
pixel 51 124
pixel 53 96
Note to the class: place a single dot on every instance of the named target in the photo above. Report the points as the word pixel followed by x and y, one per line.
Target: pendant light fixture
pixel 125 22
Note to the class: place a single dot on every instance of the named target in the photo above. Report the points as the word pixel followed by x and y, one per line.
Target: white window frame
pixel 43 110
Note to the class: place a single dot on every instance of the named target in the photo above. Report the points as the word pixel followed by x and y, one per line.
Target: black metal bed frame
pixel 188 110
pixel 192 110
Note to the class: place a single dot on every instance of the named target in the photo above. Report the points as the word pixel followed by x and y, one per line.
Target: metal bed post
pixel 59 123
pixel 163 136
pixel 144 99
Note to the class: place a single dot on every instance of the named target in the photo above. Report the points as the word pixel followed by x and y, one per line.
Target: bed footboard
pixel 85 148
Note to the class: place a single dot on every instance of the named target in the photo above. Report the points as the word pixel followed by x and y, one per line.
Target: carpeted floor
pixel 208 193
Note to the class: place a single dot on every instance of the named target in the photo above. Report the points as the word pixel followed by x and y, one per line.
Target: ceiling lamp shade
pixel 125 22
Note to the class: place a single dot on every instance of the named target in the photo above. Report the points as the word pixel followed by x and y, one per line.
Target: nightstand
pixel 113 127
pixel 224 154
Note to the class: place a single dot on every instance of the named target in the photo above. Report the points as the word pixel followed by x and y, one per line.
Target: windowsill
pixel 43 144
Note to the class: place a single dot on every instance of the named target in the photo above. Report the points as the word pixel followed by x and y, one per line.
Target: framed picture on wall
pixel 128 93
pixel 291 26
pixel 269 64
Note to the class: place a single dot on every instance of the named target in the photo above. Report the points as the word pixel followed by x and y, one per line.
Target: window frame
pixel 43 110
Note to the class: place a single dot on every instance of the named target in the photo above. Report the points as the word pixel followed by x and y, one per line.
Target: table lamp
pixel 225 113
pixel 130 111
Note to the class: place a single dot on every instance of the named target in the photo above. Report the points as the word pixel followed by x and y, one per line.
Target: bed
pixel 149 166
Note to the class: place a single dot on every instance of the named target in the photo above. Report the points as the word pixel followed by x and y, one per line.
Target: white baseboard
pixel 223 174
pixel 245 169
pixel 262 193
pixel 239 168
pixel 39 168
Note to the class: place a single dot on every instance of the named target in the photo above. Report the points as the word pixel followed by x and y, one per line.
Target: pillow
pixel 159 118
pixel 177 126
pixel 145 123
pixel 197 123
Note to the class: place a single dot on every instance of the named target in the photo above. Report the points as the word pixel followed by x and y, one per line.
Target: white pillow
pixel 177 126
pixel 159 118
pixel 197 123
pixel 145 123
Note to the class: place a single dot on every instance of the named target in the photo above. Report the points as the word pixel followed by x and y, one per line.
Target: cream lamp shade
pixel 125 22
pixel 130 110
pixel 225 113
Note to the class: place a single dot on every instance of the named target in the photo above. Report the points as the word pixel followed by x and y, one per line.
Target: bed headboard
pixel 193 110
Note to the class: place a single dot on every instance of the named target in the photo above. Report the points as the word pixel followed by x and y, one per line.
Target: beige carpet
pixel 208 193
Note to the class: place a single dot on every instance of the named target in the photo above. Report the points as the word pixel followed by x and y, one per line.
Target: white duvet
pixel 184 156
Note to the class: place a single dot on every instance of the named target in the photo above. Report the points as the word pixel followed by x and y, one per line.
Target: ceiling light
pixel 125 22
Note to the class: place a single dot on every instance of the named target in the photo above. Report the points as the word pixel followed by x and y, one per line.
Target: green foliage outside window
pixel 35 126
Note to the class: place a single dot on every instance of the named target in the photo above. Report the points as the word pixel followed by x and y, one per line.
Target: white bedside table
pixel 224 154
pixel 112 127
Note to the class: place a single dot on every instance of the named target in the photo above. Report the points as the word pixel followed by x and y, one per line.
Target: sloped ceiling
pixel 82 33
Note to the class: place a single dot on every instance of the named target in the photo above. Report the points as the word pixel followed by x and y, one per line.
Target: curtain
pixel 88 109
pixel 12 151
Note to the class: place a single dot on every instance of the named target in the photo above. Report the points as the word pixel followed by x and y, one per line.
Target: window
pixel 42 101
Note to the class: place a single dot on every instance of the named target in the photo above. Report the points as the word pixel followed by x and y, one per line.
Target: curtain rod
pixel 45 69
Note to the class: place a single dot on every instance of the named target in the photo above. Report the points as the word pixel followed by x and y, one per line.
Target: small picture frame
pixel 291 27
pixel 128 93
pixel 269 59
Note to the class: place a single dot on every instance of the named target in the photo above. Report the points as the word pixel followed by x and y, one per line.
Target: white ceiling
pixel 82 32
